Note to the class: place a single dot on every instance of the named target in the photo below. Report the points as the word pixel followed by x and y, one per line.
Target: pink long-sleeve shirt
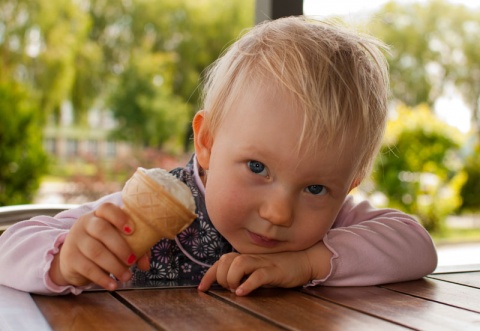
pixel 370 246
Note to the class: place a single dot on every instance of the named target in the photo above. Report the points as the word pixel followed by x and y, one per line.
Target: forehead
pixel 269 108
pixel 269 121
pixel 260 97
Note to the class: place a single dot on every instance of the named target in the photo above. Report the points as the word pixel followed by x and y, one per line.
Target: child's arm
pixel 29 248
pixel 243 273
pixel 367 246
pixel 375 246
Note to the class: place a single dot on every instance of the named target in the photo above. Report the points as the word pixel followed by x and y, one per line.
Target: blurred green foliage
pixel 140 59
pixel 156 94
pixel 22 159
pixel 470 191
pixel 419 168
pixel 434 50
pixel 434 46
pixel 134 57
pixel 147 111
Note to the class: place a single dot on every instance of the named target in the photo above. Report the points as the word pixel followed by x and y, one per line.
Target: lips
pixel 263 241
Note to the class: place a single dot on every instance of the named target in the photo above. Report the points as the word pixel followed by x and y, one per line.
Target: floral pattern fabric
pixel 193 251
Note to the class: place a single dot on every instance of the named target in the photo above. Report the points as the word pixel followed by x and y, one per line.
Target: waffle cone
pixel 155 212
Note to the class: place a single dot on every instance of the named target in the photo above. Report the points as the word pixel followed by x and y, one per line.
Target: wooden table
pixel 447 301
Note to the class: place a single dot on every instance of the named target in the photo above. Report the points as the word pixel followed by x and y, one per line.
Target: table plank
pixel 295 310
pixel 465 278
pixel 88 311
pixel 448 269
pixel 187 309
pixel 399 308
pixel 438 302
pixel 440 291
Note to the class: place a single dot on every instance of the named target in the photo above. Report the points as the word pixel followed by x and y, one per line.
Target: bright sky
pixel 450 107
pixel 346 7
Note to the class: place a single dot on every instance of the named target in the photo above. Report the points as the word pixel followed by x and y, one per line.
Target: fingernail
pixel 132 258
pixel 127 229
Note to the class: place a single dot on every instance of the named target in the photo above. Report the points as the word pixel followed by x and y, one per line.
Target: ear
pixel 202 139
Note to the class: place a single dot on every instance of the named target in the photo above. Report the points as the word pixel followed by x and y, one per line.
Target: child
pixel 294 114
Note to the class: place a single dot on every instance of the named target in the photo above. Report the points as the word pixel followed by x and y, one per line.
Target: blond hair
pixel 336 76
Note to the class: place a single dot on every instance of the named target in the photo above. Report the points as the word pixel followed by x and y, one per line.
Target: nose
pixel 277 208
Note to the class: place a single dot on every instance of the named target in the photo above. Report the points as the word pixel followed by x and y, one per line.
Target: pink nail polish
pixel 132 258
pixel 127 229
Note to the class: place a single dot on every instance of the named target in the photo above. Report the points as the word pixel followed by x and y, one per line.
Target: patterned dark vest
pixel 188 257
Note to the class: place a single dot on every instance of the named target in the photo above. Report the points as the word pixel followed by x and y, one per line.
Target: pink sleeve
pixel 27 249
pixel 376 246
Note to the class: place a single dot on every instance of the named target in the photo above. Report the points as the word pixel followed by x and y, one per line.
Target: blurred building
pixel 67 140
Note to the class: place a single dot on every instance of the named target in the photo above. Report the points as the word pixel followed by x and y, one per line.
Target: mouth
pixel 260 240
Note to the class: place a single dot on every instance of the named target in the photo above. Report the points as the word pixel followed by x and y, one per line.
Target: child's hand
pixel 243 273
pixel 94 248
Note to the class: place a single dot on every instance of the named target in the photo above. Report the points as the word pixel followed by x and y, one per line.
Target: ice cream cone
pixel 155 212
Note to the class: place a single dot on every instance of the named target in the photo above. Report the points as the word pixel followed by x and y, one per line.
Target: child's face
pixel 262 195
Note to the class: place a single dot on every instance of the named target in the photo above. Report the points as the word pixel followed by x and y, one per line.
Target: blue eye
pixel 257 167
pixel 316 189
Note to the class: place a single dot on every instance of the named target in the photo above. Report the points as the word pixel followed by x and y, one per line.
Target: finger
pixel 116 216
pixel 108 236
pixel 224 269
pixel 258 278
pixel 143 263
pixel 102 257
pixel 241 267
pixel 209 278
pixel 86 272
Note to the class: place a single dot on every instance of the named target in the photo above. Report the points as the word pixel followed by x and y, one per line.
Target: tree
pixel 434 45
pixel 148 113
pixel 141 58
pixel 168 49
pixel 38 46
pixel 78 51
pixel 419 169
pixel 22 159
pixel 470 191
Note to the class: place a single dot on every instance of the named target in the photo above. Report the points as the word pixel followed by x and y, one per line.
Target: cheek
pixel 313 229
pixel 226 203
pixel 309 236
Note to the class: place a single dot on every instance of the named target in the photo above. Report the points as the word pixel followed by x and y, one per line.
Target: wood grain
pixel 189 309
pixel 88 311
pixel 438 302
pixel 443 292
pixel 399 308
pixel 465 278
pixel 298 311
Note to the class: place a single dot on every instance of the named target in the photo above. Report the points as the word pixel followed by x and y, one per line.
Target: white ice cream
pixel 178 189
